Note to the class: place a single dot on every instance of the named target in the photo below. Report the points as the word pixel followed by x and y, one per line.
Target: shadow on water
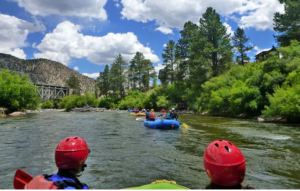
pixel 126 154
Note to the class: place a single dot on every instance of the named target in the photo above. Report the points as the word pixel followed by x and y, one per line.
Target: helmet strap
pixel 82 169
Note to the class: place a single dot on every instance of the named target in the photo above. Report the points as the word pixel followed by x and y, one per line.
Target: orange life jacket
pixel 39 182
pixel 152 116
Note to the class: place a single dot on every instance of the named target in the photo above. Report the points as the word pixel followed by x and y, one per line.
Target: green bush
pixel 284 102
pixel 73 101
pixel 17 93
pixel 136 99
pixel 48 105
pixel 108 102
pixel 162 102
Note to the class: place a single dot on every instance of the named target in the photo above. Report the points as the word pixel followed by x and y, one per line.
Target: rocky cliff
pixel 46 72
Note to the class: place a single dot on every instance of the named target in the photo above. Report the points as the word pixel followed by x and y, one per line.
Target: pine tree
pixel 169 57
pixel 147 70
pixel 136 66
pixel 212 49
pixel 239 42
pixel 117 77
pixel 288 23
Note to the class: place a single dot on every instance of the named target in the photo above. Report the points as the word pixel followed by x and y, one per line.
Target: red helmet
pixel 163 110
pixel 71 152
pixel 224 163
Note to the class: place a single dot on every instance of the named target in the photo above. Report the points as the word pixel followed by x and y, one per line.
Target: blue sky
pixel 86 35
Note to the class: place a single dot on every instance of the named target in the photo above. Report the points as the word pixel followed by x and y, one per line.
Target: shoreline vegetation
pixel 199 70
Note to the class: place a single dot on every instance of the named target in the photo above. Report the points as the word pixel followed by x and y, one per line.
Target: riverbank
pixel 4 112
pixel 260 118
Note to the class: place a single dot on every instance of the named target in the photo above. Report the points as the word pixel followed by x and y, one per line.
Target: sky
pixel 87 35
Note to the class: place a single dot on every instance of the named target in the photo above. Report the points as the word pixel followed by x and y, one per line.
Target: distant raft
pixel 140 114
pixel 160 185
pixel 130 111
pixel 162 124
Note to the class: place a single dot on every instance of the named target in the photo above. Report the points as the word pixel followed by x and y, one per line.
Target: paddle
pixel 184 125
pixel 21 179
pixel 132 113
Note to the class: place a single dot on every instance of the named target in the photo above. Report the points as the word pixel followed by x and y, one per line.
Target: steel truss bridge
pixel 49 92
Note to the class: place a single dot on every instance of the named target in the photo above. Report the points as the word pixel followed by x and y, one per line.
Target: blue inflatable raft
pixel 131 111
pixel 162 124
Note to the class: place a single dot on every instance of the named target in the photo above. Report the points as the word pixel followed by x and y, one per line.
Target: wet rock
pixel 18 113
pixel 272 119
pixel 260 119
pixel 242 115
pixel 3 110
pixel 31 111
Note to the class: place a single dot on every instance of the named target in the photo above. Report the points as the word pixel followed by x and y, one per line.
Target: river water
pixel 126 154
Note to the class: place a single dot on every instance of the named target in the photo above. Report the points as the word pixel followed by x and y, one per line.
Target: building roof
pixel 265 52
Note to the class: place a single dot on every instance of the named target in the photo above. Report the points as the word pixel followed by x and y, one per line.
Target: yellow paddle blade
pixel 131 113
pixel 185 125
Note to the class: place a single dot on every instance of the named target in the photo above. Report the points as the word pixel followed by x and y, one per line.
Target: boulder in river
pixel 260 119
pixel 18 113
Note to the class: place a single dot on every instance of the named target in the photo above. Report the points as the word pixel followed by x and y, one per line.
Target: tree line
pixel 123 77
pixel 200 68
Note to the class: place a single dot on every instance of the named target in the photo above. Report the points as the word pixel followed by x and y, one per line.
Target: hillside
pixel 46 72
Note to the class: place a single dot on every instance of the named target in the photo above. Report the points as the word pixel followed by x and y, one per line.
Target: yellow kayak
pixel 140 114
pixel 160 185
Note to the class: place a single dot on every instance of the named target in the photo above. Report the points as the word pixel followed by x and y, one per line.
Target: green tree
pixel 137 68
pixel 154 81
pixel 287 24
pixel 169 57
pixel 147 73
pixel 183 52
pixel 74 83
pixel 17 93
pixel 212 49
pixel 117 76
pixel 103 81
pixel 239 42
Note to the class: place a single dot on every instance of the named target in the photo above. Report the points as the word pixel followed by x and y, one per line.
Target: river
pixel 126 154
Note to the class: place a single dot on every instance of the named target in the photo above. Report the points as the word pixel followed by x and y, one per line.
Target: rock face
pixel 45 72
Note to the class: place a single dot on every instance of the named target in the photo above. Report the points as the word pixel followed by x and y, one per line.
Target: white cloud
pixel 93 75
pixel 229 29
pixel 76 68
pixel 117 5
pixel 173 14
pixel 17 52
pixel 165 45
pixel 13 34
pixel 262 16
pixel 66 41
pixel 259 50
pixel 164 30
pixel 79 8
pixel 159 67
pixel 34 45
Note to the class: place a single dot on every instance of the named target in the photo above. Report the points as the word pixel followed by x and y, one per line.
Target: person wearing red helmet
pixel 225 165
pixel 164 114
pixel 70 156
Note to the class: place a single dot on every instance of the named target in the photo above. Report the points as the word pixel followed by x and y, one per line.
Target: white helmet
pixel 173 109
